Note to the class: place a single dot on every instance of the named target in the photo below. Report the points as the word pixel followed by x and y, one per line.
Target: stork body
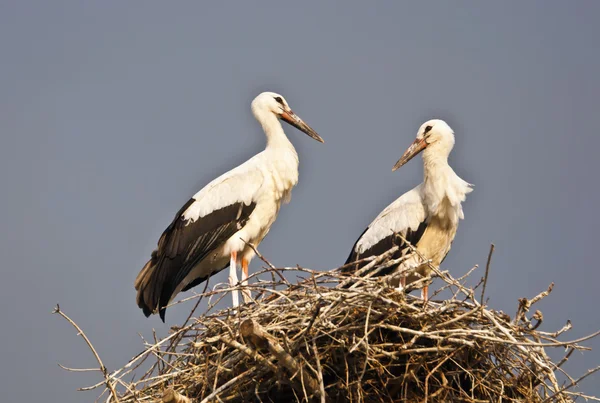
pixel 213 229
pixel 426 216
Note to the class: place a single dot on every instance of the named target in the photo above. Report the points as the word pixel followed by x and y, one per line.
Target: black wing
pixel 383 246
pixel 182 245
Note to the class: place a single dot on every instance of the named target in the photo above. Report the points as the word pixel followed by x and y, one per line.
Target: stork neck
pixel 435 159
pixel 436 170
pixel 434 165
pixel 274 132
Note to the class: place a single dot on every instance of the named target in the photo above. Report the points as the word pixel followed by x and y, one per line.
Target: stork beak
pixel 293 119
pixel 415 148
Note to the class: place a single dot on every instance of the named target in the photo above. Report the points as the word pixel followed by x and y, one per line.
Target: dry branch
pixel 331 337
pixel 107 379
pixel 261 339
pixel 172 396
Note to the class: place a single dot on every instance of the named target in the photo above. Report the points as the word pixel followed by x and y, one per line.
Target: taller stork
pixel 426 216
pixel 213 229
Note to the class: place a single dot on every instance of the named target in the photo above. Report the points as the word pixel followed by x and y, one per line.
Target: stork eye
pixel 278 99
pixel 428 129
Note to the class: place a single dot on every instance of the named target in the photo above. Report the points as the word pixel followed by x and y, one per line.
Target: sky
pixel 112 114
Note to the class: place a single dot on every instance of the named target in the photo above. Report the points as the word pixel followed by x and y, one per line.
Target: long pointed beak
pixel 293 119
pixel 415 148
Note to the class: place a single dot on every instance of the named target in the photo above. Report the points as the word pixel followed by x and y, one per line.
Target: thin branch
pixel 305 341
pixel 103 369
pixel 572 384
pixel 319 372
pixel 260 338
pixel 487 272
pixel 172 396
pixel 227 384
pixel 80 369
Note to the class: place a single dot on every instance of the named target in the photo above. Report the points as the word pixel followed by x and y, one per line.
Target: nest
pixel 331 338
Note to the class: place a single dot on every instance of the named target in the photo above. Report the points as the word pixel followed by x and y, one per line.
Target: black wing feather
pixel 383 246
pixel 353 255
pixel 183 245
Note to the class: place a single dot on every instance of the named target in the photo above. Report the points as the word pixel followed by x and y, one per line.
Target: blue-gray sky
pixel 112 114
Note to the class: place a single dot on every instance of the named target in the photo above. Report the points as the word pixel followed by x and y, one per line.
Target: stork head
pixel 270 103
pixel 434 136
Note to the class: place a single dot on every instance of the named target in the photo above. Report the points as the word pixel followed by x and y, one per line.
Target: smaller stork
pixel 426 216
pixel 213 229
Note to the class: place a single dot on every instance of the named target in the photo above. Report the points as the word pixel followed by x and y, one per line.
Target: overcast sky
pixel 112 114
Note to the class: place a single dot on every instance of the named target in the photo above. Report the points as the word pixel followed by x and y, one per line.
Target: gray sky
pixel 112 114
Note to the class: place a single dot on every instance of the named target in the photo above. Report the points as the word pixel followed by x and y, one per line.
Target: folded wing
pixel 405 216
pixel 199 228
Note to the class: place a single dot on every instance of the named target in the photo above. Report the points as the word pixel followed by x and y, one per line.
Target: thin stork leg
pixel 233 279
pixel 424 293
pixel 401 284
pixel 245 291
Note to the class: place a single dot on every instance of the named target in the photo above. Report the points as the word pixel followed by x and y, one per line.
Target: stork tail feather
pixel 145 284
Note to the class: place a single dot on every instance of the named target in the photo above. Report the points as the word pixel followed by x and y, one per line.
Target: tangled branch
pixel 331 337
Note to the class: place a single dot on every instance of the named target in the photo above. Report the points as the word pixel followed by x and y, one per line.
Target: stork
pixel 426 216
pixel 213 229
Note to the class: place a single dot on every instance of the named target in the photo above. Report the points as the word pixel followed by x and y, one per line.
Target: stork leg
pixel 245 291
pixel 402 284
pixel 424 293
pixel 233 279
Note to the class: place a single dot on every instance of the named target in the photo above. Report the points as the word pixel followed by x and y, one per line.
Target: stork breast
pixel 437 238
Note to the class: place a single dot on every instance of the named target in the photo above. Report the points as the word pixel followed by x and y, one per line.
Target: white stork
pixel 426 216
pixel 211 231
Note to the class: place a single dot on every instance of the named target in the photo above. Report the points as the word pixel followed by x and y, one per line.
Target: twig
pixel 172 396
pixel 319 373
pixel 103 369
pixel 80 369
pixel 569 386
pixel 259 337
pixel 304 342
pixel 176 340
pixel 310 323
pixel 525 304
pixel 265 261
pixel 227 384
pixel 487 271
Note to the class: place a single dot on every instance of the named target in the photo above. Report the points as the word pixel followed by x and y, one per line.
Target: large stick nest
pixel 334 338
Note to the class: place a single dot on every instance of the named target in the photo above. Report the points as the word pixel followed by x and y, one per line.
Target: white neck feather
pixel 274 131
pixel 281 155
pixel 443 190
